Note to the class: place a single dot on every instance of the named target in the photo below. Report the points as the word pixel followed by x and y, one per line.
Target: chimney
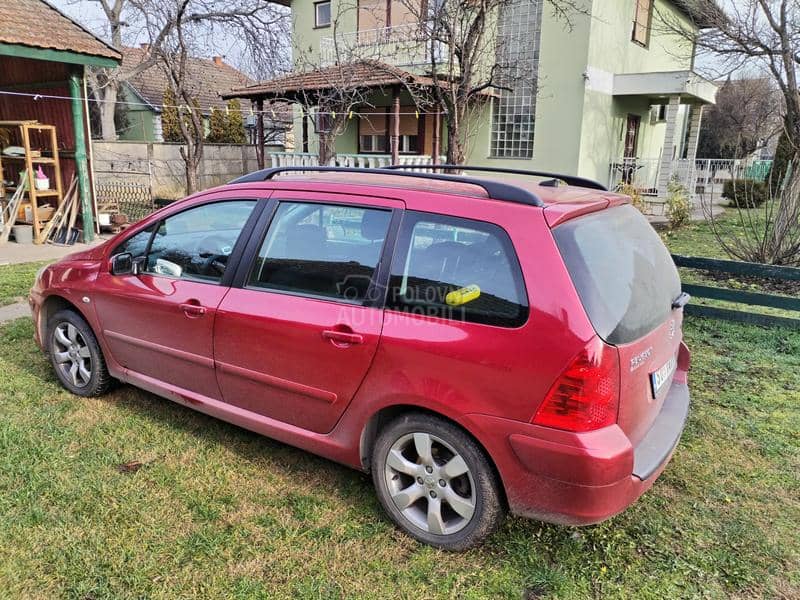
pixel 218 60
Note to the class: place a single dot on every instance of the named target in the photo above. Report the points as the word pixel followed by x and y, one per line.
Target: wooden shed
pixel 43 59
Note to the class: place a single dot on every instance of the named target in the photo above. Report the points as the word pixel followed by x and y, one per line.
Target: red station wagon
pixel 478 344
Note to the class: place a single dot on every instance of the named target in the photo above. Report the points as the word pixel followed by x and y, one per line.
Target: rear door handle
pixel 193 310
pixel 342 337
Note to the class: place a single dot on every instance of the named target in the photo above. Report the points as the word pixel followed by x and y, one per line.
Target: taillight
pixel 586 394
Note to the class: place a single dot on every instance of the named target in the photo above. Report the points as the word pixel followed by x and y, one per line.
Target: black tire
pixel 478 486
pixel 69 334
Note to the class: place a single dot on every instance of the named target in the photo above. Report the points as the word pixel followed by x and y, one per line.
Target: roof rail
pixel 570 179
pixel 496 190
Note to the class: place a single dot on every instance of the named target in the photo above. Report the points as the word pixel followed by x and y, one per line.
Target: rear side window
pixel 621 270
pixel 457 269
pixel 321 250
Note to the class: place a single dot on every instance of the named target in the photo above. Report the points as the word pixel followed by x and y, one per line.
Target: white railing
pixel 401 45
pixel 363 161
pixel 700 176
pixel 642 173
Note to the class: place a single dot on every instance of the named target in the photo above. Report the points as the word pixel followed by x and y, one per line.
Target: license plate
pixel 662 375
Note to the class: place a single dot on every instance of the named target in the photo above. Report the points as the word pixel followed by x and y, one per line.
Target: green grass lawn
pixel 16 281
pixel 697 238
pixel 218 512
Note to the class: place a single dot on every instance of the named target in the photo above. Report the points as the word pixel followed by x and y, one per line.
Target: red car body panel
pixel 273 359
pixel 260 359
pixel 176 346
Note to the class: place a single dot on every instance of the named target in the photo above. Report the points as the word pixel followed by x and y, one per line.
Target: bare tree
pixel 183 29
pixel 746 115
pixel 766 34
pixel 105 84
pixel 258 28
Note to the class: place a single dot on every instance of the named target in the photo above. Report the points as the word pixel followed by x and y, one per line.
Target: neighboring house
pixel 144 94
pixel 617 95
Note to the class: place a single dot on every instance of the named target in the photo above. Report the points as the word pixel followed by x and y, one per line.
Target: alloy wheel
pixel 72 355
pixel 430 483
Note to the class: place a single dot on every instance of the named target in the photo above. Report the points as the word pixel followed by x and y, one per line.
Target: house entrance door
pixel 631 137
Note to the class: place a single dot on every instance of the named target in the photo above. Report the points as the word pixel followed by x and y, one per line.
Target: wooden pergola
pixel 303 87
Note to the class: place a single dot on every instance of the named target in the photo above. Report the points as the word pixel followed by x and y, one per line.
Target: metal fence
pixel 700 176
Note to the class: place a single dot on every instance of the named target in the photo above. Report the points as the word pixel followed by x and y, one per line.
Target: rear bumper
pixel 581 478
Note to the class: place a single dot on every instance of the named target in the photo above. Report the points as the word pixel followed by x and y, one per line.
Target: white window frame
pixel 317 6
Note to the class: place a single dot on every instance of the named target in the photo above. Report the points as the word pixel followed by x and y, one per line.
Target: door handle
pixel 193 309
pixel 342 337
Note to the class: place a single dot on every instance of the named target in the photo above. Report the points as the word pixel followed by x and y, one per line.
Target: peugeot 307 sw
pixel 479 345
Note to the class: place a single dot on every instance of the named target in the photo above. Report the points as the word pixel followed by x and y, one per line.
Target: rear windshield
pixel 622 271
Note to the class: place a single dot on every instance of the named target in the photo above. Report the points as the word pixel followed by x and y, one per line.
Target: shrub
pixel 679 205
pixel 745 193
pixel 227 126
pixel 635 195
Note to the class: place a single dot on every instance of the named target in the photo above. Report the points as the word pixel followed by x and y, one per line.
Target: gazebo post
pixel 437 135
pixel 305 132
pixel 260 132
pixel 395 138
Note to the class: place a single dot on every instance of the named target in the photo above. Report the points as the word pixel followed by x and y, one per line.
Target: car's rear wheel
pixel 76 356
pixel 435 482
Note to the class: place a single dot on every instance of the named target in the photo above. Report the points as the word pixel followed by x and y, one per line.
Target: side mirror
pixel 123 264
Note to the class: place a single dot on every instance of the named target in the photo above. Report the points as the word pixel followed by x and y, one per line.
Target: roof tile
pixel 207 79
pixel 37 24
pixel 365 73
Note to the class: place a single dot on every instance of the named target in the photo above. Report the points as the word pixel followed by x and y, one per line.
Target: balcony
pixel 405 45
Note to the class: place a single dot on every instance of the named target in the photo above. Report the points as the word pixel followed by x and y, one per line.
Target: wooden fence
pixel 740 296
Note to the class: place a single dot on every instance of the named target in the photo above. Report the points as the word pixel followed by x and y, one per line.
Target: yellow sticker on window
pixel 463 295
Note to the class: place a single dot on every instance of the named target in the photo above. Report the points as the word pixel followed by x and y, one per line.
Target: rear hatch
pixel 627 283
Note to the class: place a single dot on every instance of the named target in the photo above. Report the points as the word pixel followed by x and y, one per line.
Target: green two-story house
pixel 614 95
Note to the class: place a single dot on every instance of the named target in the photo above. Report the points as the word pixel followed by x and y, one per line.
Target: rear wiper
pixel 681 300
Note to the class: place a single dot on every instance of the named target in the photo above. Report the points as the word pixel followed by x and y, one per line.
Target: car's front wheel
pixel 76 356
pixel 435 482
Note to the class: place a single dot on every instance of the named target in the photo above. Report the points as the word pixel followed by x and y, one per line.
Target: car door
pixel 159 323
pixel 295 337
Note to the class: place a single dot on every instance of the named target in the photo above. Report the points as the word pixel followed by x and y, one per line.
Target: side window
pixel 136 244
pixel 322 14
pixel 457 269
pixel 321 250
pixel 196 243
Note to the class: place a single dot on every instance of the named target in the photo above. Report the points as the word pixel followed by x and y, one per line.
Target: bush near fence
pixel 745 193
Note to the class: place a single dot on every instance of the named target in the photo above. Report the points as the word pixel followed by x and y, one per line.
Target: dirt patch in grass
pixel 755 284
